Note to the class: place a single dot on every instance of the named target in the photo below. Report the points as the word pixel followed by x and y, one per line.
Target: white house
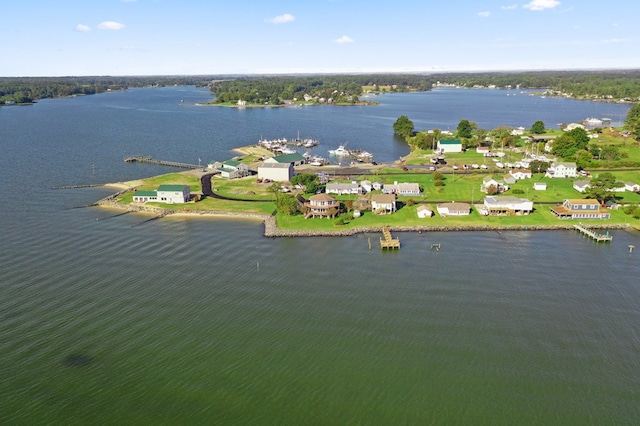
pixel 521 173
pixel 366 185
pixel 632 187
pixel 449 145
pixel 482 150
pixel 424 211
pixel 497 205
pixel 454 209
pixel 559 169
pixel 403 188
pixel 277 172
pixel 540 186
pixel 231 169
pixel 581 185
pixel 342 188
pixel 383 203
pixel 171 194
pixel 489 182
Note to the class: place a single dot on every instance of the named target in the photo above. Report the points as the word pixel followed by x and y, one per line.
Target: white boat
pixel 341 151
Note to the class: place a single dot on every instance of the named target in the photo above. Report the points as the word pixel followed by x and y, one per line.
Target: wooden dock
pixel 592 234
pixel 387 241
pixel 149 160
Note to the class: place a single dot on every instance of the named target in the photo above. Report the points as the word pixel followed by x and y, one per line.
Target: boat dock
pixel 592 234
pixel 387 241
pixel 149 160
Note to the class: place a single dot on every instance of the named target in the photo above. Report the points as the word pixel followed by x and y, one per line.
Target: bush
pixel 517 191
pixel 439 183
pixel 410 202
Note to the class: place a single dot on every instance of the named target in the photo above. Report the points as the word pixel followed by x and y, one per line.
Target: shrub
pixel 517 191
pixel 439 183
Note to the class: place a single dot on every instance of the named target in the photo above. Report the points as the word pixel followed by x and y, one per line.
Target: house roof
pixel 322 197
pixel 582 183
pixel 582 201
pixel 232 163
pixel 140 193
pixel 458 207
pixel 383 198
pixel 289 158
pixel 450 142
pixel 172 188
pixel 424 208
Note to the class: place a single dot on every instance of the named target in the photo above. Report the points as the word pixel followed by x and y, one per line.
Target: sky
pixel 214 37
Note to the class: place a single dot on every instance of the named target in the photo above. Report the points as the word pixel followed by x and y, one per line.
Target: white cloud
pixel 484 14
pixel 110 25
pixel 83 27
pixel 615 40
pixel 509 7
pixel 541 4
pixel 282 19
pixel 343 40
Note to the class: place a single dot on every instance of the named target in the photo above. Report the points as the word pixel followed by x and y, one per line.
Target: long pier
pixel 149 160
pixel 387 241
pixel 592 234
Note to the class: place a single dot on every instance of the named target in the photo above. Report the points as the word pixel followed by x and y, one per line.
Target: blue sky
pixel 152 37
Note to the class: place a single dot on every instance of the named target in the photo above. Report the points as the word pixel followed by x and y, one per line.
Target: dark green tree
pixel 538 128
pixel 465 129
pixel 287 204
pixel 601 187
pixel 403 127
pixel 610 153
pixel 633 120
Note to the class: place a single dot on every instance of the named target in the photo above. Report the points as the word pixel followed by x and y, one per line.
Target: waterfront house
pixel 276 172
pixel 580 209
pixel 342 188
pixel 484 150
pixel 453 209
pixel 501 205
pixel 231 169
pixel 581 185
pixel 321 205
pixel 383 203
pixel 559 169
pixel 141 196
pixel 171 194
pixel 403 188
pixel 168 194
pixel 446 146
pixel 295 159
pixel 424 211
pixel 539 186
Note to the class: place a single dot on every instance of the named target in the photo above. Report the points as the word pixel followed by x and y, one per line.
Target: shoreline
pixel 271 229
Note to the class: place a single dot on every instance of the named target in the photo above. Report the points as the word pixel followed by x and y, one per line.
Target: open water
pixel 105 319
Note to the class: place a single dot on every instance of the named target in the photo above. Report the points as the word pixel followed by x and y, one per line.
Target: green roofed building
pixel 168 194
pixel 449 145
pixel 295 159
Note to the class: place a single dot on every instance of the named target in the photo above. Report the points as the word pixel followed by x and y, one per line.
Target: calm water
pixel 106 319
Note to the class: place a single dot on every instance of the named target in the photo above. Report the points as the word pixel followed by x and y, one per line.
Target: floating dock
pixel 387 241
pixel 149 160
pixel 593 235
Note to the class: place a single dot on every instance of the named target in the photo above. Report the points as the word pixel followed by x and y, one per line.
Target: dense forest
pixel 28 89
pixel 602 85
pixel 341 88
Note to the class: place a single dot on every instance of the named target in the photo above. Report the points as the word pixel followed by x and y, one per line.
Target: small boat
pixel 341 151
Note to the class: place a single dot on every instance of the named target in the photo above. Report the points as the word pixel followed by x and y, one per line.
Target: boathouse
pixel 277 172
